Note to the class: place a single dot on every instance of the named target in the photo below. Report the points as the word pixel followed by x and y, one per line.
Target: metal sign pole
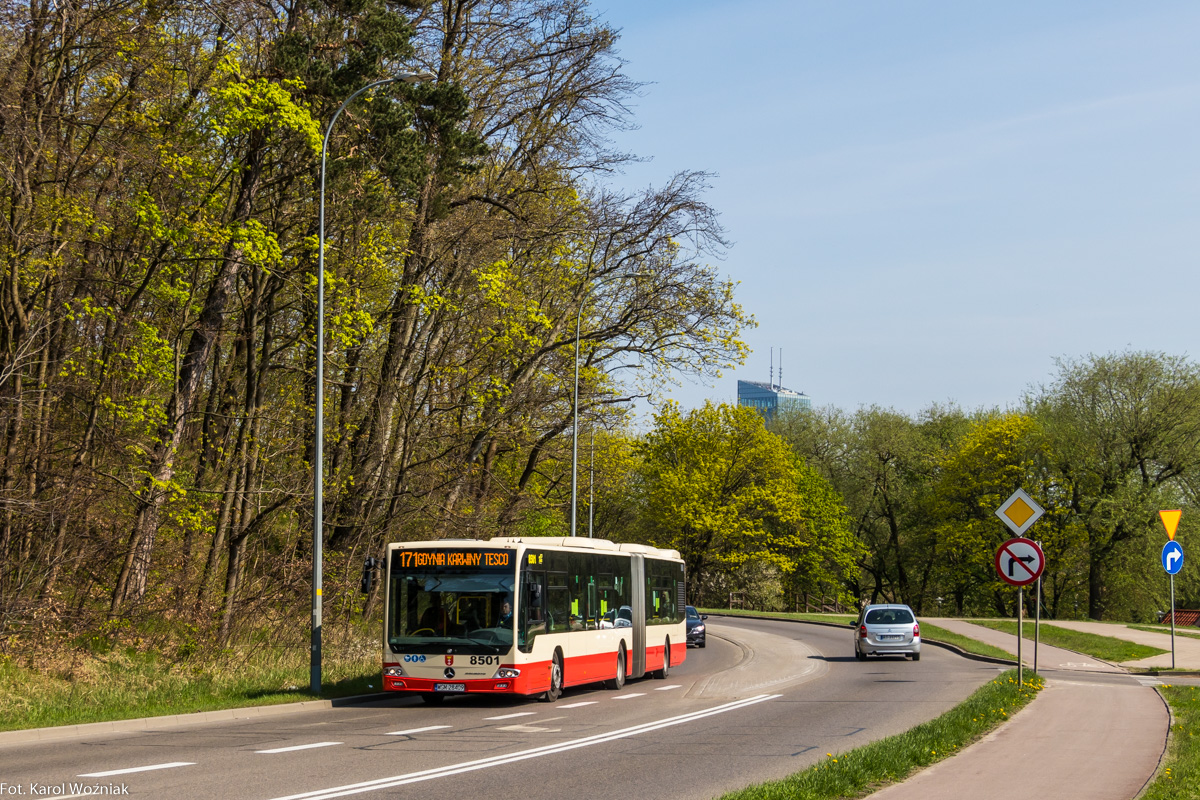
pixel 1037 623
pixel 1172 621
pixel 1020 615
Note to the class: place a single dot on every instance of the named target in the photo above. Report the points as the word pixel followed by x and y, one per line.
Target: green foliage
pixel 726 493
pixel 991 460
pixel 259 105
pixel 1102 448
pixel 1123 436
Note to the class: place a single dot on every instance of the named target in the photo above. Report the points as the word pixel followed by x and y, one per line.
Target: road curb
pixel 32 735
pixel 1162 758
pixel 945 645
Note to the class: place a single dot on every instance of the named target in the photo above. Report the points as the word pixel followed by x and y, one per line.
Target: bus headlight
pixel 507 672
pixel 393 672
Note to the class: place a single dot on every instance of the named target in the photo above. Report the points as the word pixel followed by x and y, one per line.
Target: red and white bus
pixel 529 615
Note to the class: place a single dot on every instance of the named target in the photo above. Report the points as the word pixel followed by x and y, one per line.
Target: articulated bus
pixel 529 616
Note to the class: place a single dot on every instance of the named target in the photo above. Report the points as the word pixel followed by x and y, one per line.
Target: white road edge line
pixel 418 730
pixel 298 747
pixel 493 761
pixel 131 770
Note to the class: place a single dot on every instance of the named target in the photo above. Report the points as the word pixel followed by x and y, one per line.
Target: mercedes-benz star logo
pixel 449 673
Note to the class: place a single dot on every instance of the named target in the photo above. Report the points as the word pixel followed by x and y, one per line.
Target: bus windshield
pixel 459 599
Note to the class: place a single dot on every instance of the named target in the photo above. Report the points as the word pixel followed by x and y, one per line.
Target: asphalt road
pixel 764 699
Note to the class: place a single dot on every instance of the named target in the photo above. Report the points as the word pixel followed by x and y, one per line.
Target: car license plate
pixel 891 638
pixel 449 687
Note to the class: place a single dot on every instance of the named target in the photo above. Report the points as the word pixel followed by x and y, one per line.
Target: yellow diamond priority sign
pixel 1019 512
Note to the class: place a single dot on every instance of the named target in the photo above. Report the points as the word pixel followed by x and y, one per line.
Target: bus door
pixel 531 611
pixel 638 596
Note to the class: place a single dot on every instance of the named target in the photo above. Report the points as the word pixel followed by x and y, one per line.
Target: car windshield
pixel 889 616
pixel 692 613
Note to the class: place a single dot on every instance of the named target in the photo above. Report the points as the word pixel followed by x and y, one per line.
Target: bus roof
pixel 576 542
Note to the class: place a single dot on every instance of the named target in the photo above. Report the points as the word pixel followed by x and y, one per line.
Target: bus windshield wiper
pixel 495 647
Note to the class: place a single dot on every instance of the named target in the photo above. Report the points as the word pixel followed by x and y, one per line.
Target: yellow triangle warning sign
pixel 1170 521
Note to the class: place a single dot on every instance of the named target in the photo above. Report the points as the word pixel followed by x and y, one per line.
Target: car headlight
pixel 698 629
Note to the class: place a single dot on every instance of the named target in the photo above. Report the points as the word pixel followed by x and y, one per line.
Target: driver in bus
pixel 433 620
pixel 505 615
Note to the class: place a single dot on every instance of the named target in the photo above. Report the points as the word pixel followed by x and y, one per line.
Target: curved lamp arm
pixel 319 424
pixel 575 405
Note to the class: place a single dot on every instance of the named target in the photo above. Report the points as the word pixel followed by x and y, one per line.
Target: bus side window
pixel 558 603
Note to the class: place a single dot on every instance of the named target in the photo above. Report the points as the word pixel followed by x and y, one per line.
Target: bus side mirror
pixel 368 578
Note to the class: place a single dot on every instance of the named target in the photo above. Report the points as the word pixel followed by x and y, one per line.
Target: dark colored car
pixel 695 627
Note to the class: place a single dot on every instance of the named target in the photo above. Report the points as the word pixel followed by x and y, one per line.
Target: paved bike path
pixel 1088 735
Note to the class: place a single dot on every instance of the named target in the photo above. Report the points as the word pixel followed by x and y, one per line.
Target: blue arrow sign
pixel 1172 557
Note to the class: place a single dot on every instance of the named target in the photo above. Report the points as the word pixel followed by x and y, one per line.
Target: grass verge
pixel 872 766
pixel 836 619
pixel 127 683
pixel 1102 647
pixel 928 631
pixel 1165 630
pixel 1180 775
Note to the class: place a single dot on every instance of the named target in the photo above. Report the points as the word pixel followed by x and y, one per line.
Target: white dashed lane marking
pixel 577 705
pixel 299 747
pixel 665 688
pixel 131 770
pixel 510 758
pixel 418 730
pixel 630 696
pixel 513 716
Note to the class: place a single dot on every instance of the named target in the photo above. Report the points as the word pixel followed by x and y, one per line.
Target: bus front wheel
pixel 556 679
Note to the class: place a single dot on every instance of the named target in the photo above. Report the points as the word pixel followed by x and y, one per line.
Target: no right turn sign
pixel 1020 562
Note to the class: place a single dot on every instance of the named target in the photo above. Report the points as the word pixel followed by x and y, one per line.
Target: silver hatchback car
pixel 890 628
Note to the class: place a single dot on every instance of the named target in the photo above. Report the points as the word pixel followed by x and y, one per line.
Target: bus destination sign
pixel 446 558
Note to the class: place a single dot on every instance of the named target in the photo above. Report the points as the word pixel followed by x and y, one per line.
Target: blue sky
pixel 930 202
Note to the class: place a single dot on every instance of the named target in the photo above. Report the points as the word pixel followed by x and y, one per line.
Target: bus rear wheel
pixel 556 679
pixel 618 681
pixel 666 667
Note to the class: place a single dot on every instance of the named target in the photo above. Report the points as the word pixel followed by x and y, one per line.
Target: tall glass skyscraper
pixel 767 398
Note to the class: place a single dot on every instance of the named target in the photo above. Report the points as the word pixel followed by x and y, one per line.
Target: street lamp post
pixel 319 424
pixel 575 412
pixel 591 480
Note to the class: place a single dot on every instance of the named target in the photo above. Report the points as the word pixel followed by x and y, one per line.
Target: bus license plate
pixel 449 687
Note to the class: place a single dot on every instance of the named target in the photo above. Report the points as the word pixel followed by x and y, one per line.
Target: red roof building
pixel 1183 619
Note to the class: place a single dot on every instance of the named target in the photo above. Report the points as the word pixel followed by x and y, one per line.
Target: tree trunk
pixel 131 582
